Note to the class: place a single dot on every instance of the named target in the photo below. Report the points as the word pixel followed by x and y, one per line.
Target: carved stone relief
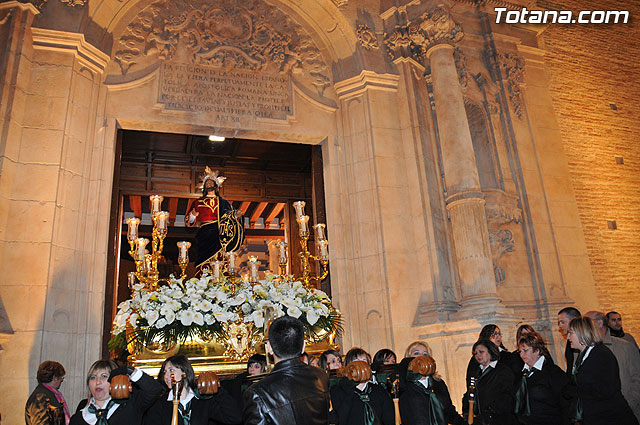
pixel 240 34
pixel 513 72
pixel 367 37
pixel 461 67
pixel 501 241
pixel 414 38
pixel 74 2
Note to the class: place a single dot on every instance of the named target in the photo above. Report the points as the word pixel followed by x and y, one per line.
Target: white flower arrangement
pixel 200 307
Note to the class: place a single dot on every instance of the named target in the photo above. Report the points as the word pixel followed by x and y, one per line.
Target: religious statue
pixel 219 228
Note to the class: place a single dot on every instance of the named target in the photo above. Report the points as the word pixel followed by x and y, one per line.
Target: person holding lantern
pixel 219 228
pixel 104 409
pixel 424 396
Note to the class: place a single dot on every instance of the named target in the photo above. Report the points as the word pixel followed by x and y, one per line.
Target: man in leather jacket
pixel 293 393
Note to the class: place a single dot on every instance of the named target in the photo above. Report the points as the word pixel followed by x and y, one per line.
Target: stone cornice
pixel 366 80
pixel 93 57
pixel 23 6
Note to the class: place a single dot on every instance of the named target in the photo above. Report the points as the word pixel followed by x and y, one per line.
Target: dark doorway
pixel 263 180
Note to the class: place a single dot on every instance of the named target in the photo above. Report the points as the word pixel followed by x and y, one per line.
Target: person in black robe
pixel 101 409
pixel 425 400
pixel 597 376
pixel 494 388
pixel 545 394
pixel 365 403
pixel 198 409
pixel 219 228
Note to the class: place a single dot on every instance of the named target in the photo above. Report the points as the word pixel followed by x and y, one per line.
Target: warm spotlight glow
pixel 214 138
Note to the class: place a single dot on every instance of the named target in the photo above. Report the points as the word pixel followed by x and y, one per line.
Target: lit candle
pixel 320 231
pixel 148 265
pixel 161 222
pixel 304 228
pixel 132 231
pixel 141 244
pixel 132 279
pixel 299 207
pixel 253 264
pixel 282 252
pixel 323 250
pixel 217 271
pixel 183 252
pixel 231 256
pixel 156 203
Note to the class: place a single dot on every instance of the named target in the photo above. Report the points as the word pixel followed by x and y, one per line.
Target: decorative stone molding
pixel 501 208
pixel 513 73
pixel 38 4
pixel 461 66
pixel 74 2
pixel 228 34
pixel 414 38
pixel 501 241
pixel 340 3
pixel 367 37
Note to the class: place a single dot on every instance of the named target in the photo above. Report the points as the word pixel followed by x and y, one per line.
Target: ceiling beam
pixel 258 211
pixel 277 208
pixel 244 207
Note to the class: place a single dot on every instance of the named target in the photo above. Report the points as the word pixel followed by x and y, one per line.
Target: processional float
pixel 218 319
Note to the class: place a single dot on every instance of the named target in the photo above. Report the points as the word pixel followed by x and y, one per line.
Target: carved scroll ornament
pixel 237 34
pixel 513 73
pixel 367 37
pixel 415 38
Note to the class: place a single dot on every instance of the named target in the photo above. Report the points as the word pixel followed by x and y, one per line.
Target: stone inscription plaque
pixel 227 95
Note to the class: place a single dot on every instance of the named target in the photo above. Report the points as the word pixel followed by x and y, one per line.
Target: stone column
pixel 54 202
pixel 465 202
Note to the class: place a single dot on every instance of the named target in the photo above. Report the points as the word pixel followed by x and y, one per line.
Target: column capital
pixel 415 39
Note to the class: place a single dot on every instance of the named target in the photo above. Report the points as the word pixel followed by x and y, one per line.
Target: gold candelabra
pixel 322 246
pixel 147 263
pixel 221 271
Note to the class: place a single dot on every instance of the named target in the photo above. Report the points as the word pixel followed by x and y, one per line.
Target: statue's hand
pixel 238 214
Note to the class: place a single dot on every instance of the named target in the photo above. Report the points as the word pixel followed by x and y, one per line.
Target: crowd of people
pixel 600 385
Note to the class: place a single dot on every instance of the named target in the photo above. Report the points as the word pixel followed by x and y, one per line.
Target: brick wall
pixel 591 67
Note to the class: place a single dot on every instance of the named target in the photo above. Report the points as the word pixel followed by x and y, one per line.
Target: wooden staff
pixel 472 399
pixel 176 389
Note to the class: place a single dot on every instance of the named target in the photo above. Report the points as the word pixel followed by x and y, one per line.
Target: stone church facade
pixel 450 201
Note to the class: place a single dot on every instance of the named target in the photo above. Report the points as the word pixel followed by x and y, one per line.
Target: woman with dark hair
pixel 383 357
pixel 360 403
pixel 194 408
pixel 46 404
pixel 330 360
pixel 494 390
pixel 425 400
pixel 512 360
pixel 256 365
pixel 101 409
pixel 597 376
pixel 545 393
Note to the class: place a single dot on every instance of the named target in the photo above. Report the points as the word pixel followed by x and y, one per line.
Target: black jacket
pixel 551 396
pixel 415 405
pixel 349 409
pixel 598 380
pixel 495 397
pixel 292 394
pixel 43 408
pixel 219 409
pixel 129 412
